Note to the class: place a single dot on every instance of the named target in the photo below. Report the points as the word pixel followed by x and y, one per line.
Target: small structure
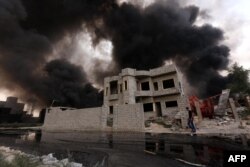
pixel 130 99
pixel 15 107
pixel 11 110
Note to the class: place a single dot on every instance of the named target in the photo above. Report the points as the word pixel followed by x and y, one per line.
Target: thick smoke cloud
pixel 67 84
pixel 142 38
pixel 23 60
pixel 57 17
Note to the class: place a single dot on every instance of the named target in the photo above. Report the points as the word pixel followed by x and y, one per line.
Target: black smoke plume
pixel 143 38
pixel 24 53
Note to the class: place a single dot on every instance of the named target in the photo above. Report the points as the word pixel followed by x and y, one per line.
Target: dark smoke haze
pixel 142 38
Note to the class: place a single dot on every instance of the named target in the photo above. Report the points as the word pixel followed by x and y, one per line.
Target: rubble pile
pixel 8 155
pixel 226 120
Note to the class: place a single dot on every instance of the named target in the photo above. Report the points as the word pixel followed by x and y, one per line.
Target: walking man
pixel 191 120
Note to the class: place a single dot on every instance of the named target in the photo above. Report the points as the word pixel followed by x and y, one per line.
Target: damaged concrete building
pixel 159 91
pixel 130 99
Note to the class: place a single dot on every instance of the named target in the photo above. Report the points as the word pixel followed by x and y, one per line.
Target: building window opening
pixel 148 107
pixel 113 87
pixel 120 88
pixel 126 85
pixel 145 86
pixel 156 85
pixel 168 83
pixel 111 110
pixel 137 100
pixel 158 109
pixel 171 104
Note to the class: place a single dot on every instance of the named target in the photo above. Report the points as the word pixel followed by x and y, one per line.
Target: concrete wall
pixel 129 94
pixel 128 117
pixel 125 118
pixel 78 119
pixel 183 114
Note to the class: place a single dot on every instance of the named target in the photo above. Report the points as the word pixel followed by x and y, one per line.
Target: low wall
pixel 128 117
pixel 78 119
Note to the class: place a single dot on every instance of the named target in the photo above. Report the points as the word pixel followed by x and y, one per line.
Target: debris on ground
pixel 10 156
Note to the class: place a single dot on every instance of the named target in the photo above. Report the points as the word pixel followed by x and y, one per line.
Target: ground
pixel 208 126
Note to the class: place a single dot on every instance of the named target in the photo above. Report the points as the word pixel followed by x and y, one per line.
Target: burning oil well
pixel 142 38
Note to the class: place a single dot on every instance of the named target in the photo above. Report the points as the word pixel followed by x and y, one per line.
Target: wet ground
pixel 125 149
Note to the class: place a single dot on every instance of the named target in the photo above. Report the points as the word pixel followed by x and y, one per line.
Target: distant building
pixel 15 107
pixel 130 99
pixel 11 110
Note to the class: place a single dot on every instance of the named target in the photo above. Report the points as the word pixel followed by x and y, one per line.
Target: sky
pixel 234 18
pixel 230 15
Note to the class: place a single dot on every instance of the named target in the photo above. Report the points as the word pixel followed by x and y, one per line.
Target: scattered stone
pixel 64 161
pixel 9 158
pixel 59 165
pixel 35 159
pixel 44 161
pixel 173 129
pixel 49 159
pixel 241 126
pixel 5 149
pixel 240 109
pixel 73 164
